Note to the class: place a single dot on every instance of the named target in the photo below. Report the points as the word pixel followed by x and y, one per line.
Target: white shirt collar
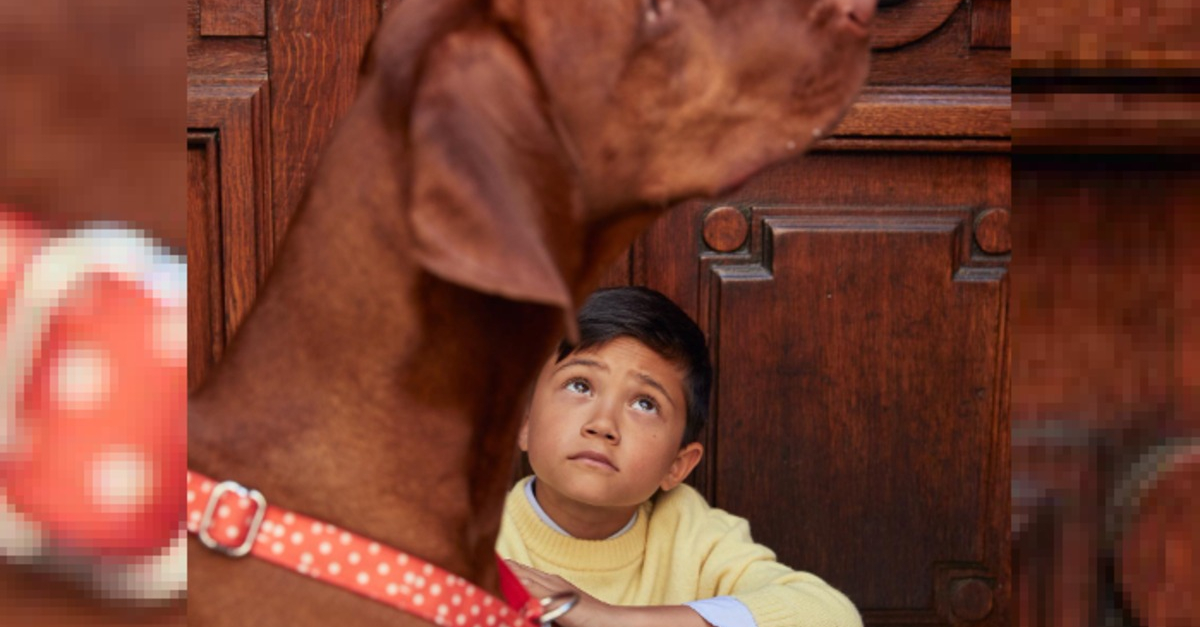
pixel 537 507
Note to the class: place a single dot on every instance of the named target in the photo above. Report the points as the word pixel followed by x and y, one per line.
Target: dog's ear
pixel 494 206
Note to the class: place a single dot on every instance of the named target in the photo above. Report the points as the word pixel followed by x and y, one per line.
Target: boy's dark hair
pixel 651 318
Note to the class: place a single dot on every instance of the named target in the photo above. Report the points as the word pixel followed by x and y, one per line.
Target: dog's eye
pixel 659 17
pixel 656 11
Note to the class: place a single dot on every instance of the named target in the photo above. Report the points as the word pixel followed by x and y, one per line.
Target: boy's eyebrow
pixel 648 380
pixel 581 361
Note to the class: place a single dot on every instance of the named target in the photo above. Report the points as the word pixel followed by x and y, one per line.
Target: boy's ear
pixel 523 434
pixel 685 461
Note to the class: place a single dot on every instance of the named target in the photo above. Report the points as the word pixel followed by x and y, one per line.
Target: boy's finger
pixel 523 570
pixel 515 567
pixel 530 575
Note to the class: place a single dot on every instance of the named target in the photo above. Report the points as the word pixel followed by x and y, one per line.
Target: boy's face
pixel 605 424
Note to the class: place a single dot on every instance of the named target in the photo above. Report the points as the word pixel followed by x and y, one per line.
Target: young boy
pixel 611 434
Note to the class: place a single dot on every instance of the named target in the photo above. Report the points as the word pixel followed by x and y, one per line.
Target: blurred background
pixel 1105 430
pixel 92 121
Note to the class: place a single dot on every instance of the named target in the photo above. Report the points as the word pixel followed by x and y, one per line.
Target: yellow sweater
pixel 679 550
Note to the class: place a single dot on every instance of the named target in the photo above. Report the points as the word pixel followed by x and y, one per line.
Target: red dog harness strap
pixel 235 521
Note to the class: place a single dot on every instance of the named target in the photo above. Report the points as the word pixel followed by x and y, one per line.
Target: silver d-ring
pixel 565 600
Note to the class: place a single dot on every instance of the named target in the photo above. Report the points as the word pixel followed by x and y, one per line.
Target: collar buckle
pixel 214 499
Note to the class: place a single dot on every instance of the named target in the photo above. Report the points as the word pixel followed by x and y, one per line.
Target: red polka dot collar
pixel 235 521
pixel 93 406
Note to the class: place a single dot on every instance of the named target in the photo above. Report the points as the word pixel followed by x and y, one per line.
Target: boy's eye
pixel 645 404
pixel 578 386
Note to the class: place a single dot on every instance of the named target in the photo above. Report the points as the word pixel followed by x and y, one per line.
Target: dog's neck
pixel 364 392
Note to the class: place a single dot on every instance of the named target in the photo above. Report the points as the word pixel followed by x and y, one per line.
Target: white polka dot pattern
pixel 338 557
pixel 92 406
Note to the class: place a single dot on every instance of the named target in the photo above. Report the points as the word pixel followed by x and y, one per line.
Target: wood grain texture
pixel 314 61
pixel 908 21
pixel 991 24
pixel 914 145
pixel 725 229
pixel 206 301
pixel 924 112
pixel 941 57
pixel 765 431
pixel 829 377
pixel 227 57
pixel 236 112
pixel 992 232
pixel 233 18
pixel 667 261
pixel 972 599
pixel 618 274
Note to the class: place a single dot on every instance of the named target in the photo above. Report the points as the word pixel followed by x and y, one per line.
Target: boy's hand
pixel 592 612
pixel 588 612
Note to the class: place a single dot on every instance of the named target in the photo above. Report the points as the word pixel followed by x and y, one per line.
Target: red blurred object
pixel 92 462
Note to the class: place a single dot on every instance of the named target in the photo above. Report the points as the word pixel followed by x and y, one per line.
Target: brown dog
pixel 498 157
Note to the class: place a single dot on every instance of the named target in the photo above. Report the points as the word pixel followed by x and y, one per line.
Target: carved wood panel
pixel 906 21
pixel 270 98
pixel 228 212
pixel 856 303
pixel 948 43
pixel 313 69
pixel 206 298
pixel 860 378
pixel 939 68
pixel 991 24
pixel 244 18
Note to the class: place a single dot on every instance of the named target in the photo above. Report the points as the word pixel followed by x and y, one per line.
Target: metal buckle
pixel 213 499
pixel 566 600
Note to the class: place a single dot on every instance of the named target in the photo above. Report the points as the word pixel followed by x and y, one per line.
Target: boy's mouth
pixel 593 458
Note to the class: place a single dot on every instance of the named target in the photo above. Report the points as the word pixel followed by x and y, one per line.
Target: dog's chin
pixel 739 176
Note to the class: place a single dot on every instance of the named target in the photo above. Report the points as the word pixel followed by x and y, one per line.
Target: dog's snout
pixel 861 11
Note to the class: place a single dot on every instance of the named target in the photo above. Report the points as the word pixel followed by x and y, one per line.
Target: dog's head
pixel 666 99
pixel 543 135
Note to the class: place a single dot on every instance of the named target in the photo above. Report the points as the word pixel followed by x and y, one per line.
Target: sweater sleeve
pixel 776 595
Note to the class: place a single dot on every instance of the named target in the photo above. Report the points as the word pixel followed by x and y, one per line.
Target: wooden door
pixel 267 80
pixel 855 300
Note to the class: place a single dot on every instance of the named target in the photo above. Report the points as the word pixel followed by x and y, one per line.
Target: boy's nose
pixel 602 424
pixel 602 430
